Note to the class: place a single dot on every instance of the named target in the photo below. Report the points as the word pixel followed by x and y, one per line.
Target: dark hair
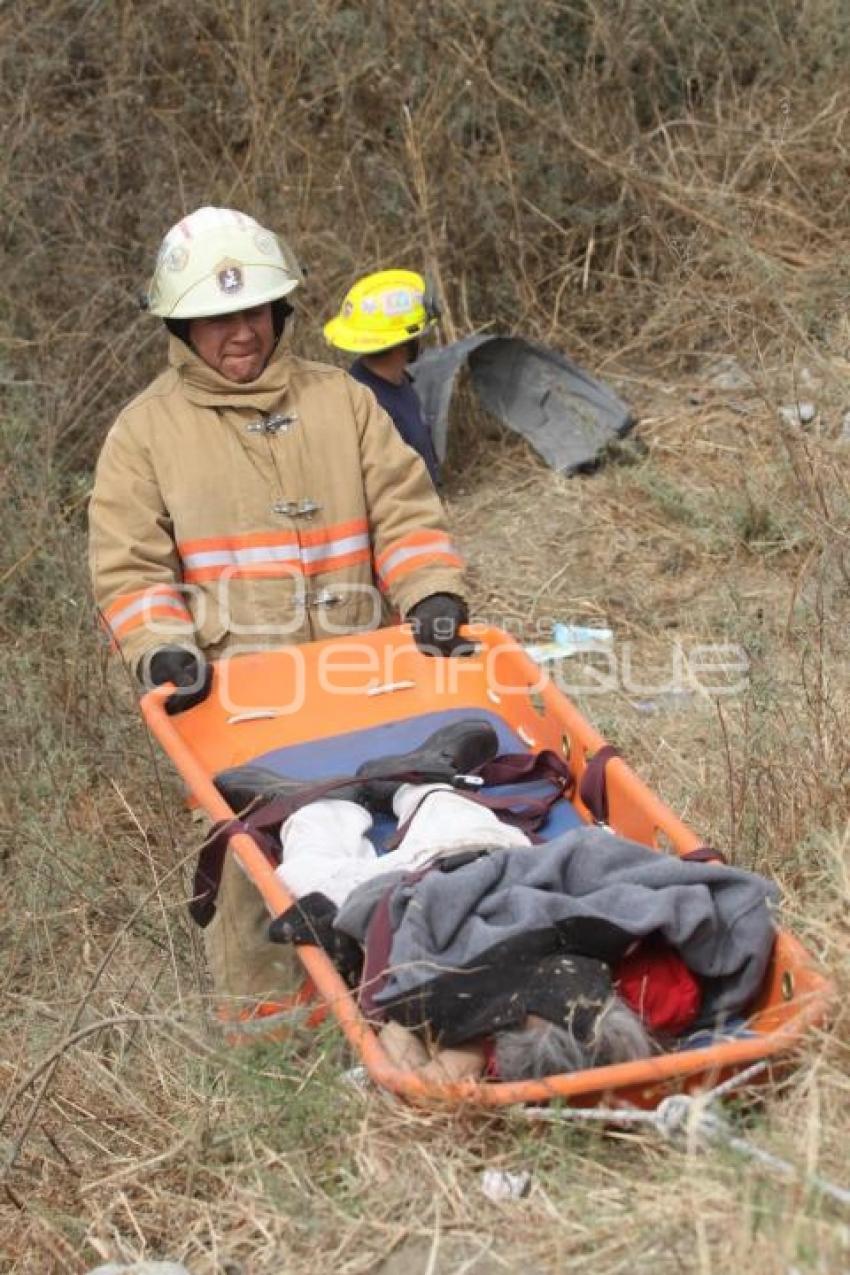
pixel 281 310
pixel 178 328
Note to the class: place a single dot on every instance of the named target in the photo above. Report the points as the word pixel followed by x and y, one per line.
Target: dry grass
pixel 650 186
pixel 147 1139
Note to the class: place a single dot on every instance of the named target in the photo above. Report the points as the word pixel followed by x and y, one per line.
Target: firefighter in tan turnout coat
pixel 248 498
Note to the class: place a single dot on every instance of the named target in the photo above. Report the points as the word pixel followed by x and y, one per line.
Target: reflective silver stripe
pixel 276 553
pixel 146 603
pixel 335 548
pixel 237 557
pixel 440 544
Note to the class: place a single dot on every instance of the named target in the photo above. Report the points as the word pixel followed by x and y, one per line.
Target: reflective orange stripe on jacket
pixel 276 553
pixel 419 549
pixel 131 610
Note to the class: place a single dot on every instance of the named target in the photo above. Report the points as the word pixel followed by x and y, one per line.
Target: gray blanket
pixel 588 882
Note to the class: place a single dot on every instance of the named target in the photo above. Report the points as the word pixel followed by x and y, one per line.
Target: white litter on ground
pixel 141 1268
pixel 798 413
pixel 499 1184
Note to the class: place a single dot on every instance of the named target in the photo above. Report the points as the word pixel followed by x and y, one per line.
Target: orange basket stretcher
pixel 318 710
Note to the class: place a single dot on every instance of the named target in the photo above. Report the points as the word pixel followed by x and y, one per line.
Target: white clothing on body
pixel 326 849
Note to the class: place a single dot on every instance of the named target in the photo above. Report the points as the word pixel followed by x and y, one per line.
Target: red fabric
pixel 491 1070
pixel 656 983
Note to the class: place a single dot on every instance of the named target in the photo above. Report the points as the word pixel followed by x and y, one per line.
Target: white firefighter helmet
pixel 216 261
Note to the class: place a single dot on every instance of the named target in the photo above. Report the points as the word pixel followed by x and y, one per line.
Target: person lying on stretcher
pixel 514 960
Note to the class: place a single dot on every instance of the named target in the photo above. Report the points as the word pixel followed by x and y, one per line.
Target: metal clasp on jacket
pixel 323 598
pixel 274 424
pixel 296 508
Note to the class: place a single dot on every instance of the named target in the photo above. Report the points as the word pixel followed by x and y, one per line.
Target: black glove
pixel 187 669
pixel 435 622
pixel 311 920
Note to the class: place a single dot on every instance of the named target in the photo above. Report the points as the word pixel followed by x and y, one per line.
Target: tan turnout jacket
pixel 259 515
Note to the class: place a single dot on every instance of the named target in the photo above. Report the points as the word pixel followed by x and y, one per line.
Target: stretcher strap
pixel 376 953
pixel 517 768
pixel 593 792
pixel 268 817
pixel 705 854
pixel 378 942
pixel 527 813
pixel 210 865
pixel 593 789
pixel 263 824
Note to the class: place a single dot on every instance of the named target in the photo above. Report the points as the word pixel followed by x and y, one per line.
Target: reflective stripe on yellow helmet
pixel 216 261
pixel 382 310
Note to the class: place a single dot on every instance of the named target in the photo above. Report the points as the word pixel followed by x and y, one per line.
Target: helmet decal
pixel 177 259
pixel 264 241
pixel 400 301
pixel 229 279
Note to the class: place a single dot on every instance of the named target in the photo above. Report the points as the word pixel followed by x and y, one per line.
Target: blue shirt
pixel 403 407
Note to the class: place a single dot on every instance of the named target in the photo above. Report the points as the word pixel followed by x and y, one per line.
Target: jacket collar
pixel 205 387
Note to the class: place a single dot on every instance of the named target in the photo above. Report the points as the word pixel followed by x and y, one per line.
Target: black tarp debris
pixel 566 414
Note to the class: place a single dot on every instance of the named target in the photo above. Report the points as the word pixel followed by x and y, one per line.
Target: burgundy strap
pixel 376 956
pixel 527 813
pixel 262 826
pixel 271 814
pixel 704 854
pixel 400 833
pixel 518 768
pixel 524 812
pixel 210 866
pixel 377 947
pixel 592 789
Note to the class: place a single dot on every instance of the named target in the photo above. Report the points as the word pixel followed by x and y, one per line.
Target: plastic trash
pixel 357 1078
pixel 570 639
pixel 141 1268
pixel 580 635
pixel 664 701
pixel 798 413
pixel 499 1184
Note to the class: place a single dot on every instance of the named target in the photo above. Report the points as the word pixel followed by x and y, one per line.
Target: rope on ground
pixel 692 1120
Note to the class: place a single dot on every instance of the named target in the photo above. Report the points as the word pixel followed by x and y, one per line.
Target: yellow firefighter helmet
pixel 382 310
pixel 216 261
